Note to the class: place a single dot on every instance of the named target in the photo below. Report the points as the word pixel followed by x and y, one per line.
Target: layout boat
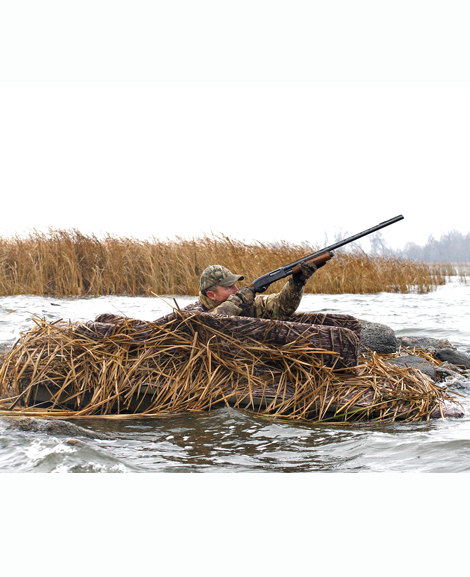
pixel 303 368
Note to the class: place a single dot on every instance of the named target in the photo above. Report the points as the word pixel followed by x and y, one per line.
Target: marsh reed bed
pixel 69 263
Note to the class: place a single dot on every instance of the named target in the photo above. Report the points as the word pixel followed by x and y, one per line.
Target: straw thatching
pixel 150 369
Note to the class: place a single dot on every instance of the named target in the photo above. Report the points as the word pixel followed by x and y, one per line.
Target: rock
pixel 53 427
pixel 454 357
pixel 448 371
pixel 4 350
pixel 377 337
pixel 452 379
pixel 415 362
pixel 75 442
pixel 424 343
pixel 447 409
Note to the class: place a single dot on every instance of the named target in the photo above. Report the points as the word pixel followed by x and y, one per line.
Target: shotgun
pixel 319 258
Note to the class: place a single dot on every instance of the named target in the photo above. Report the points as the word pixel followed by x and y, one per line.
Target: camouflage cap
pixel 216 274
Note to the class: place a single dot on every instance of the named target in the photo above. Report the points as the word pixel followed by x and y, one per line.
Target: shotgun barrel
pixel 319 257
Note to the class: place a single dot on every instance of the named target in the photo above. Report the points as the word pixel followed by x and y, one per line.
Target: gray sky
pixel 259 120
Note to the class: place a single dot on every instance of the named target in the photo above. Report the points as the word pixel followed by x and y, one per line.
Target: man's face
pixel 221 293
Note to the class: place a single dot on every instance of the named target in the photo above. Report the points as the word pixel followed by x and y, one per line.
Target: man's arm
pixel 281 305
pixel 277 306
pixel 238 304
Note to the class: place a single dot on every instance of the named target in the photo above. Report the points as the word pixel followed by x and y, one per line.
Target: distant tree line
pixel 451 247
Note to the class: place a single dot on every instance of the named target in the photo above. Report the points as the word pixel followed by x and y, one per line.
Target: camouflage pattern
pixel 217 274
pixel 336 345
pixel 335 338
pixel 277 306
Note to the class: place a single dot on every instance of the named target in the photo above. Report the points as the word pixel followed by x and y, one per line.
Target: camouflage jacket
pixel 278 306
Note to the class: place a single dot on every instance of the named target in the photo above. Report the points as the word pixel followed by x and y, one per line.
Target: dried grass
pixel 67 262
pixel 183 366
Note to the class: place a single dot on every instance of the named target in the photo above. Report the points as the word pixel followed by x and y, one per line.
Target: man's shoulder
pixel 197 306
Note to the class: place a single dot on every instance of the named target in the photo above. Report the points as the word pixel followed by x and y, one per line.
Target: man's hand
pixel 306 270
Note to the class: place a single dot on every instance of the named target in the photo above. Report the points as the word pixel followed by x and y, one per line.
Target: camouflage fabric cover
pixel 325 334
pixel 332 337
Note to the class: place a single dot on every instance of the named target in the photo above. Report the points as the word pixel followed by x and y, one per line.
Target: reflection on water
pixel 228 440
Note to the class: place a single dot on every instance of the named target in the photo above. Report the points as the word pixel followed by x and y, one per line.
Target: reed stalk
pixel 69 263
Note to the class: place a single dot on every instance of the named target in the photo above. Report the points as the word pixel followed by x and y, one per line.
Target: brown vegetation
pixel 67 262
pixel 57 369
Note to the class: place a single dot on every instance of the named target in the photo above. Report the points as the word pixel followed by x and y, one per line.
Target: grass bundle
pixel 60 369
pixel 67 262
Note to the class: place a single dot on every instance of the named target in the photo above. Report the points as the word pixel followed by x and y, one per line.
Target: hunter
pixel 219 294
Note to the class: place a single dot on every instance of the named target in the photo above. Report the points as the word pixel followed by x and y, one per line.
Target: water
pixel 228 440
